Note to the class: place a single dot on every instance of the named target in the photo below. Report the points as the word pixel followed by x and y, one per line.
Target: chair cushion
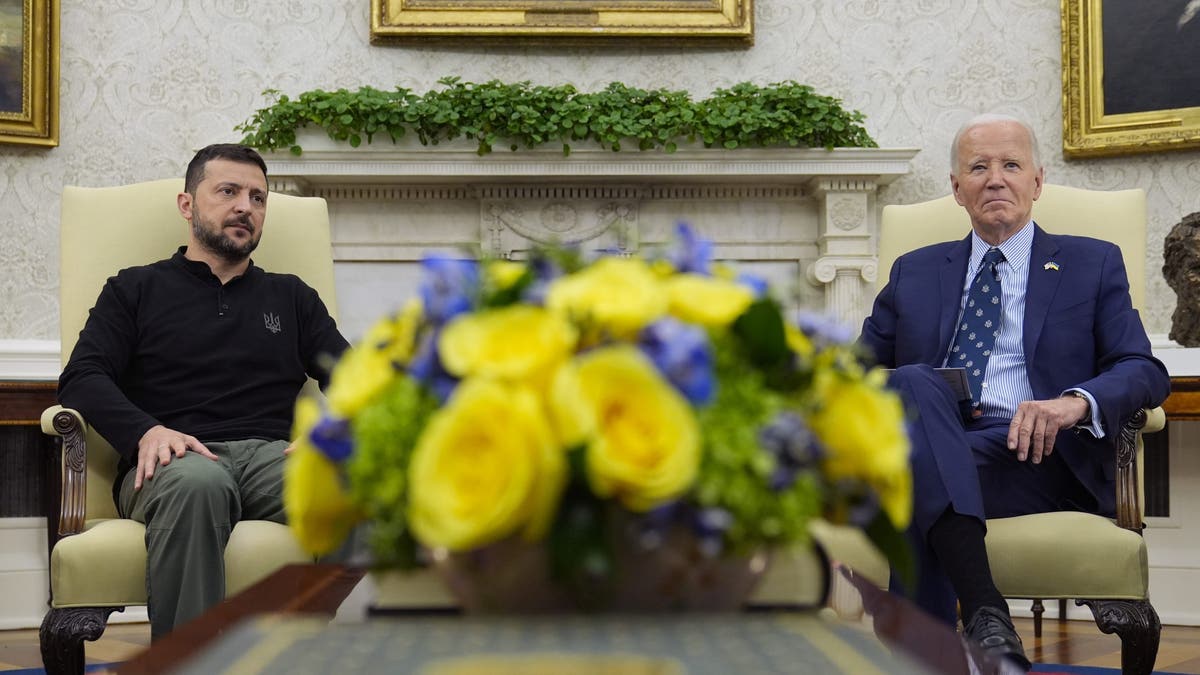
pixel 256 548
pixel 796 576
pixel 1067 555
pixel 850 547
pixel 1046 555
pixel 105 565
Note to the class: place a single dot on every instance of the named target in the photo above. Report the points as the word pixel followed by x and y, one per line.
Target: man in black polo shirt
pixel 190 367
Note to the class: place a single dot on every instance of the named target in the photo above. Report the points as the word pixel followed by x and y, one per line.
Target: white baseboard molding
pixel 29 360
pixel 25 576
pixel 25 594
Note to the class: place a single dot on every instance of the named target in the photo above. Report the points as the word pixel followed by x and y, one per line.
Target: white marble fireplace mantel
pixel 804 218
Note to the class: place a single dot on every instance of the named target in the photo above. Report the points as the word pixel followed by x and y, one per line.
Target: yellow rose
pixel 571 414
pixel 862 428
pixel 797 341
pixel 320 512
pixel 662 268
pixel 366 369
pixel 358 377
pixel 724 271
pixel 617 295
pixel 485 467
pixel 647 446
pixel 502 274
pixel 405 326
pixel 708 301
pixel 519 342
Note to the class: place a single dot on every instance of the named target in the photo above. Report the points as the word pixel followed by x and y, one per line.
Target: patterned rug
pixel 1048 668
pixel 90 668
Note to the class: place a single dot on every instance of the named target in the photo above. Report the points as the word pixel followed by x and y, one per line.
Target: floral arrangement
pixel 534 400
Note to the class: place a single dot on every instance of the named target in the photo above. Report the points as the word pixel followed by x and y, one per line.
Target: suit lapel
pixel 952 276
pixel 1043 284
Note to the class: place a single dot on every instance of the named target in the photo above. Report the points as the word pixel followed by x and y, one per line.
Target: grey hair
pixel 989 118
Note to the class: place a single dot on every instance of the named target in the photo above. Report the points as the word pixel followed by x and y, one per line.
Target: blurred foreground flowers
pixel 536 399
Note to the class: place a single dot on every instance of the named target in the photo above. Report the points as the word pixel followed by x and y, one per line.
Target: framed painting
pixel 29 72
pixel 562 21
pixel 1131 76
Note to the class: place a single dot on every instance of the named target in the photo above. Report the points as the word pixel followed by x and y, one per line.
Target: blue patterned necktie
pixel 980 324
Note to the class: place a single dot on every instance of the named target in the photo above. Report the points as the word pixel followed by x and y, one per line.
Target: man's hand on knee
pixel 158 445
pixel 1037 423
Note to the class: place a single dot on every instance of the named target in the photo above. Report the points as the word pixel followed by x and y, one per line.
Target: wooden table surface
pixel 298 589
pixel 321 589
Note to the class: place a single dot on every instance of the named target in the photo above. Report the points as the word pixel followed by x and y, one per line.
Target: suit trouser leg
pixel 944 476
pixel 966 468
pixel 189 508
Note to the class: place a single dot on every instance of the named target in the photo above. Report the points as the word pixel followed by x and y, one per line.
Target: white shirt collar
pixel 1016 249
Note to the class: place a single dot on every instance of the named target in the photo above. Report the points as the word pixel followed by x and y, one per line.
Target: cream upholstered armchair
pixel 98 563
pixel 1094 560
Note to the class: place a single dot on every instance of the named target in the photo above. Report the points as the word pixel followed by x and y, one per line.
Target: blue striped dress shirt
pixel 1005 382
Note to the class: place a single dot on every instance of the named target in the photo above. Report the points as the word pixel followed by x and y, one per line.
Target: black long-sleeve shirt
pixel 168 344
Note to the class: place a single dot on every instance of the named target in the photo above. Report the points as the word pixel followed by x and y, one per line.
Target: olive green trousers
pixel 189 508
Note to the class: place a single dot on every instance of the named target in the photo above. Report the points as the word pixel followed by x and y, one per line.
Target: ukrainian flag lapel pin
pixel 1051 266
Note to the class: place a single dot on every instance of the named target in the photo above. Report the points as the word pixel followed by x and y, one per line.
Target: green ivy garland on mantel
pixel 522 115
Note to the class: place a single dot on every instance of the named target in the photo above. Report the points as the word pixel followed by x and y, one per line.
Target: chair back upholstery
pixel 105 230
pixel 1115 216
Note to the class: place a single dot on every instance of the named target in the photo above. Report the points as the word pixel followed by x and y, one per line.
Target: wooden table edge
pixel 297 589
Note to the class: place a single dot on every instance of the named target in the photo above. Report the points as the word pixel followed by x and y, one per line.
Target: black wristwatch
pixel 1087 417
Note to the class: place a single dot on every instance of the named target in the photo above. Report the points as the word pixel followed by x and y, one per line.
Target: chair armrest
pixel 1156 420
pixel 69 424
pixel 1128 445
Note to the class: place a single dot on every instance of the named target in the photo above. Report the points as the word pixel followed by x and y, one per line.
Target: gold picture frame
pixel 1143 109
pixel 562 21
pixel 29 72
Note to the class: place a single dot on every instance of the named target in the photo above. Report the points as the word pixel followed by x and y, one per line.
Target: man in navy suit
pixel 1064 360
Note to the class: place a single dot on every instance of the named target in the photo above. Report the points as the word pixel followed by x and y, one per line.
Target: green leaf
pixel 894 545
pixel 783 114
pixel 761 331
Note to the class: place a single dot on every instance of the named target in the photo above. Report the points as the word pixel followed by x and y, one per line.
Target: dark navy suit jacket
pixel 1080 330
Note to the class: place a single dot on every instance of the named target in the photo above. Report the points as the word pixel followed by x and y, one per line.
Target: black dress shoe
pixel 992 630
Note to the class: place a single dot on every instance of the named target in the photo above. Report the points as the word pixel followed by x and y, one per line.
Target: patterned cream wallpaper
pixel 145 83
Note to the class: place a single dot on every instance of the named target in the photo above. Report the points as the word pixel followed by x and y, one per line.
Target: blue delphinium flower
pixel 757 285
pixel 864 510
pixel 447 287
pixel 332 437
pixel 862 500
pixel 654 524
pixel 710 526
pixel 426 367
pixel 681 352
pixel 545 270
pixel 793 445
pixel 690 254
pixel 823 330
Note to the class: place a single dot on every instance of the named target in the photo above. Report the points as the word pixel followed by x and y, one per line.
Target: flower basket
pixel 674 574
pixel 630 433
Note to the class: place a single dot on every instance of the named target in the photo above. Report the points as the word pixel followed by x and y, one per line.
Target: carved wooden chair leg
pixel 1038 610
pixel 1138 626
pixel 63 632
